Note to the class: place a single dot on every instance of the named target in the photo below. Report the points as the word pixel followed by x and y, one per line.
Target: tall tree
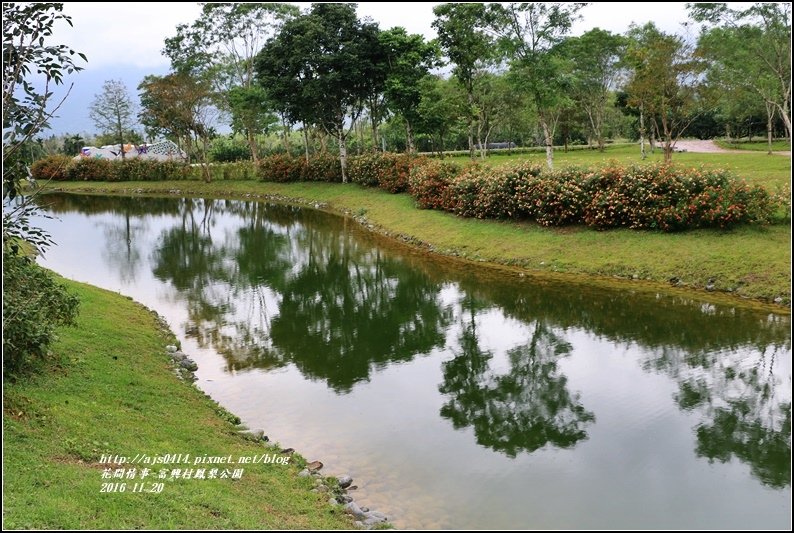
pixel 665 82
pixel 182 106
pixel 441 105
pixel 225 39
pixel 409 58
pixel 595 57
pixel 529 34
pixel 463 35
pixel 494 103
pixel 113 111
pixel 322 68
pixel 753 49
pixel 280 72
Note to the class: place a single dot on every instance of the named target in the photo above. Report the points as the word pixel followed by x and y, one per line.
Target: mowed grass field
pixel 757 146
pixel 770 171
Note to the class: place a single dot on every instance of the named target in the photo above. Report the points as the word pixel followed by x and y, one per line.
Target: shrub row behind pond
pixel 63 168
pixel 385 170
pixel 655 196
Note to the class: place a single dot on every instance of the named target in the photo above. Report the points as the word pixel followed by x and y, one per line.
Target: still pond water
pixel 456 399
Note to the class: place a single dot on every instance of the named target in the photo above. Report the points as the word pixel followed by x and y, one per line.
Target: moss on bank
pixel 114 392
pixel 748 262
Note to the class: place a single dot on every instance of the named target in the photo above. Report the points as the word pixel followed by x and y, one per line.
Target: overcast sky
pixel 131 33
pixel 124 39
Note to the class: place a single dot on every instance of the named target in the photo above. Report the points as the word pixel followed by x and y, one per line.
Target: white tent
pixel 159 151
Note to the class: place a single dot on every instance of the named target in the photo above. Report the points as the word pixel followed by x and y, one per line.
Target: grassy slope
pixel 115 393
pixel 752 261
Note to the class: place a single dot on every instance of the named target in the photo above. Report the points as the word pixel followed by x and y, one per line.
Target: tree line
pixel 507 72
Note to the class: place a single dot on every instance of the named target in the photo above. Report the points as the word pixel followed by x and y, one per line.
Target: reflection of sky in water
pixel 437 389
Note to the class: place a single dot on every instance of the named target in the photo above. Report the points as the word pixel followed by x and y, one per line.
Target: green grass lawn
pixel 779 145
pixel 114 392
pixel 751 262
pixel 769 171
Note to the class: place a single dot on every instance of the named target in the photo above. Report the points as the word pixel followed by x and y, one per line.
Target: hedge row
pixel 385 170
pixel 64 168
pixel 654 196
pixel 657 196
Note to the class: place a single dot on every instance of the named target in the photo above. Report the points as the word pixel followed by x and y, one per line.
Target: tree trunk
pixel 121 135
pixel 284 136
pixel 770 114
pixel 252 146
pixel 600 137
pixel 786 117
pixel 642 134
pixel 487 138
pixel 361 139
pixel 204 163
pixel 668 138
pixel 480 139
pixel 343 155
pixel 547 135
pixel 471 125
pixel 654 135
pixel 306 143
pixel 409 137
pixel 375 139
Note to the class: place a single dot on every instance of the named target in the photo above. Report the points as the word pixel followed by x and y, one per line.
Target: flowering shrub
pixel 51 168
pixel 639 197
pixel 429 184
pixel 133 169
pixel 147 170
pixel 388 171
pixel 563 197
pixel 281 168
pixel 367 169
pixel 322 167
pixel 673 198
pixel 90 169
pixel 664 197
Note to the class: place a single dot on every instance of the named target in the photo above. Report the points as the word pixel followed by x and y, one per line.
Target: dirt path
pixel 710 147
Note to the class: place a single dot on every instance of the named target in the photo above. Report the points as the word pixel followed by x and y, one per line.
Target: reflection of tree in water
pixel 731 364
pixel 123 244
pixel 276 291
pixel 123 230
pixel 746 412
pixel 339 315
pixel 291 286
pixel 522 410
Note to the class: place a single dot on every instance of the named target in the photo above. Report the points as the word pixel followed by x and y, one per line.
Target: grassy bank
pixel 114 392
pixel 750 262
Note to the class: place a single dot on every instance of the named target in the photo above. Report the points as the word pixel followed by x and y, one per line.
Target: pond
pixel 456 396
